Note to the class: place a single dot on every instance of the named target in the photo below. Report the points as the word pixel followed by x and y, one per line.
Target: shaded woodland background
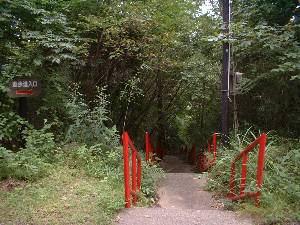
pixel 159 62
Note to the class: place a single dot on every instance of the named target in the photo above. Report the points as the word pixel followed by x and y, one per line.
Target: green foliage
pixel 11 126
pixel 123 47
pixel 281 177
pixel 266 49
pixel 89 122
pixel 151 175
pixel 21 165
pixel 272 12
pixel 131 90
pixel 31 162
pixel 41 143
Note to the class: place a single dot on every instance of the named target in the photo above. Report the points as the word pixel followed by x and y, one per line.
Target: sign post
pixel 23 88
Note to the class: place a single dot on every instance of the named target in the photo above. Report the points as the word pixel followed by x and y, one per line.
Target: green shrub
pixel 21 165
pixel 31 162
pixel 11 126
pixel 41 143
pixel 151 175
pixel 89 121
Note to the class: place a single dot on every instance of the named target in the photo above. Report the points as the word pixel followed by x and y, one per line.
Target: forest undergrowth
pixel 78 181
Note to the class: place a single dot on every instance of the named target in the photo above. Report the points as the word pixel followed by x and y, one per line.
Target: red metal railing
pixel 203 161
pixel 261 141
pixel 212 148
pixel 159 151
pixel 149 148
pixel 136 169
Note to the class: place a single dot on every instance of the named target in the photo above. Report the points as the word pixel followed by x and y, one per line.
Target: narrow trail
pixel 182 201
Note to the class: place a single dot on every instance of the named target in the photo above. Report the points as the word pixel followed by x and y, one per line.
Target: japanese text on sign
pixel 25 84
pixel 24 87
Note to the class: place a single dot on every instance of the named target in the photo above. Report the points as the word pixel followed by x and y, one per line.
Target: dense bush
pixel 11 126
pixel 41 143
pixel 89 121
pixel 24 164
pixel 32 161
pixel 152 174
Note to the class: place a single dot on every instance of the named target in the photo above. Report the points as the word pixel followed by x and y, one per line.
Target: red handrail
pixel 203 162
pixel 136 169
pixel 150 151
pixel 261 141
pixel 212 148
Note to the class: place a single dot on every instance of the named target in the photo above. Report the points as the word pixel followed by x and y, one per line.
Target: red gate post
pixel 202 162
pixel 244 174
pixel 126 169
pixel 260 167
pixel 133 174
pixel 147 146
pixel 215 147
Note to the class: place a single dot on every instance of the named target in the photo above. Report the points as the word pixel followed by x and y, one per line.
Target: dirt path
pixel 182 201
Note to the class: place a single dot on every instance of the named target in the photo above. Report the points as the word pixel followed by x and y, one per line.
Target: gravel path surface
pixel 182 201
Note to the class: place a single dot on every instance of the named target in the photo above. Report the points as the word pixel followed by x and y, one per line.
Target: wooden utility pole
pixel 225 74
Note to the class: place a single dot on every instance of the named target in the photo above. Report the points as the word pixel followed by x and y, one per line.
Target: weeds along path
pixel 182 201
